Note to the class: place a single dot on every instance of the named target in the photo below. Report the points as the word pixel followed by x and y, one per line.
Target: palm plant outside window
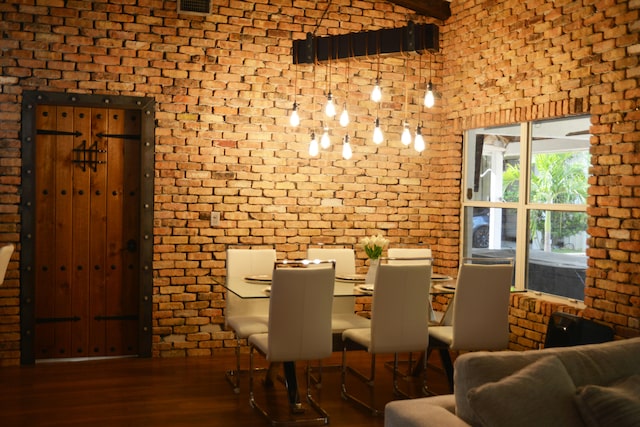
pixel 524 196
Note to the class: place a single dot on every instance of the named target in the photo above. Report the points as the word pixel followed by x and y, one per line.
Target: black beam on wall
pixel 412 38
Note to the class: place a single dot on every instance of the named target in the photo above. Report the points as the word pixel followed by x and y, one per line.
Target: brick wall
pixel 223 85
pixel 511 61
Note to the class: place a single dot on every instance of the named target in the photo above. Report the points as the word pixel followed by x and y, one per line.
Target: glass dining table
pixel 251 287
pixel 348 286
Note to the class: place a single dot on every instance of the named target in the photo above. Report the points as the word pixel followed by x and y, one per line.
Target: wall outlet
pixel 215 219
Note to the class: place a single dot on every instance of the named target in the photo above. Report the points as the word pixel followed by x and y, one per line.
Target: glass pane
pixel 490 232
pixel 557 262
pixel 489 153
pixel 560 161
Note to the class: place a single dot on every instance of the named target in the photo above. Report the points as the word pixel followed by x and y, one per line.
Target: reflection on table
pixel 259 288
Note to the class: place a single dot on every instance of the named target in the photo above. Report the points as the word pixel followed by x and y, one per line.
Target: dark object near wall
pixel 567 330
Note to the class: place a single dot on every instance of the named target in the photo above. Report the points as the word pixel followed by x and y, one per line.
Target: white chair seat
pixel 342 321
pixel 245 326
pixel 361 336
pixel 441 333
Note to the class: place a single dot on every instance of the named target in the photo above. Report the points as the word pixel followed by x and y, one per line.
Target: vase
pixel 370 279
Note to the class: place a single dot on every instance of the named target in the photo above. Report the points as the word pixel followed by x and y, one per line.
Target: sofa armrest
pixel 422 412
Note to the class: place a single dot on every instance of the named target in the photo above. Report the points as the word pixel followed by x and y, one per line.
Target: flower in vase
pixel 374 245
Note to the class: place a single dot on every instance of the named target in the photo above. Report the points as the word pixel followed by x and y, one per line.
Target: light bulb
pixel 419 141
pixel 406 135
pixel 346 148
pixel 330 109
pixel 295 118
pixel 429 100
pixel 376 93
pixel 325 141
pixel 377 133
pixel 344 116
pixel 313 145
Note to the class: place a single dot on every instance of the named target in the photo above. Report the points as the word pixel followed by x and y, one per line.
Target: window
pixel 525 191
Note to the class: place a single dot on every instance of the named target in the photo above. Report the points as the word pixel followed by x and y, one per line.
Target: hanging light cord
pixel 322 17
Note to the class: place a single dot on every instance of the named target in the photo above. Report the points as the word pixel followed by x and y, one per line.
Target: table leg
pixel 291 381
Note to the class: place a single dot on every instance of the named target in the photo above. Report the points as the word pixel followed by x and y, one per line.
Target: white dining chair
pixel 5 256
pixel 409 253
pixel 416 256
pixel 246 316
pixel 399 324
pixel 299 328
pixel 480 310
pixel 343 315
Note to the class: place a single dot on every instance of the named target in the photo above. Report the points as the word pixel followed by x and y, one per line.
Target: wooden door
pixel 87 163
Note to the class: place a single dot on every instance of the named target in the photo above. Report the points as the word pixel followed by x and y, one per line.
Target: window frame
pixel 523 207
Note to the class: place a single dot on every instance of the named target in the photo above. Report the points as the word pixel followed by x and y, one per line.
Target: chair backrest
pixel 481 306
pixel 345 258
pixel 5 257
pixel 400 310
pixel 300 312
pixel 242 262
pixel 395 253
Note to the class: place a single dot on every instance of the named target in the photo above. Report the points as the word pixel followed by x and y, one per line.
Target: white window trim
pixel 522 208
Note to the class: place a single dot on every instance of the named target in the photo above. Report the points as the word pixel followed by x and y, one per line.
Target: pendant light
pixel 346 148
pixel 418 143
pixel 314 149
pixel 378 137
pixel 294 120
pixel 344 116
pixel 405 138
pixel 429 99
pixel 330 108
pixel 325 140
pixel 406 134
pixel 376 93
pixel 313 145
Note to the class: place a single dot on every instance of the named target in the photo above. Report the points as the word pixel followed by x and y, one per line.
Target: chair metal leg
pixel 233 376
pixel 321 419
pixel 368 380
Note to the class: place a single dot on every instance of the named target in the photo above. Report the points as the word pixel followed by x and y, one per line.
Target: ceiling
pixel 440 9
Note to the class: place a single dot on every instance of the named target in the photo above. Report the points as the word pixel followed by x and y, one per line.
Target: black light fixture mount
pixel 413 37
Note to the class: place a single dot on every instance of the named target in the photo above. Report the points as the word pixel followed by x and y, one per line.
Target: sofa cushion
pixel 615 405
pixel 419 413
pixel 541 394
pixel 588 364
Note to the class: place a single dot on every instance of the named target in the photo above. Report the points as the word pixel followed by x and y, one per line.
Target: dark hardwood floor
pixel 171 392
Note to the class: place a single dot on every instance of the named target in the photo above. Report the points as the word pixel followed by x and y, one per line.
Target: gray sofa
pixel 588 385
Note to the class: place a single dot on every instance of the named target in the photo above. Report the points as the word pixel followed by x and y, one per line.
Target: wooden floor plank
pixel 166 393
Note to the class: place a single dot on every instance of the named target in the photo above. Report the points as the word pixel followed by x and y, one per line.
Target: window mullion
pixel 522 225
